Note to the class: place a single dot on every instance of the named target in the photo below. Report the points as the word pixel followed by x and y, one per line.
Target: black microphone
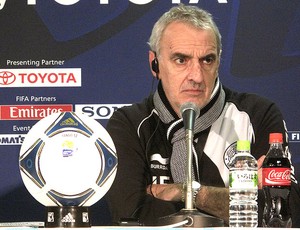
pixel 189 112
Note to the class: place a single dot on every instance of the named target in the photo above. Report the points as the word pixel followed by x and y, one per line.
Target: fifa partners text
pixel 49 77
pixel 98 111
pixel 105 2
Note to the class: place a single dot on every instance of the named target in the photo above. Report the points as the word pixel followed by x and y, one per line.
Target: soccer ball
pixel 68 159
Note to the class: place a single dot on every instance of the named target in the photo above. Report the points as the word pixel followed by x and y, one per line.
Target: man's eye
pixel 208 60
pixel 180 60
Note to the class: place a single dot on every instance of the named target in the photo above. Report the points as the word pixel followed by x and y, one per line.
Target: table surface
pixel 35 225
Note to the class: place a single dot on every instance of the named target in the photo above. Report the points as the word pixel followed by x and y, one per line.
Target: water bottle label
pixel 243 179
pixel 276 176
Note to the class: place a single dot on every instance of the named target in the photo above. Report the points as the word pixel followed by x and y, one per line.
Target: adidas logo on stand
pixel 68 218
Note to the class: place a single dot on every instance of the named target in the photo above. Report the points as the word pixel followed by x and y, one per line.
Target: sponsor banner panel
pixel 54 58
pixel 294 136
pixel 31 112
pixel 12 139
pixel 98 111
pixel 47 77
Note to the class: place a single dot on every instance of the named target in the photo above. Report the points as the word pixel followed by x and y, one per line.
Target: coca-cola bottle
pixel 276 172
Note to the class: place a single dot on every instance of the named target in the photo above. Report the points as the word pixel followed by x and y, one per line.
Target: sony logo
pixel 98 111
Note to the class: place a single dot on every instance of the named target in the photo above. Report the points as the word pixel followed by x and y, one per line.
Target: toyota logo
pixel 7 78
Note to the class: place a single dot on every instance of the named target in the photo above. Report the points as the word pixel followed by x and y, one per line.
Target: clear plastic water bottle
pixel 243 186
pixel 276 185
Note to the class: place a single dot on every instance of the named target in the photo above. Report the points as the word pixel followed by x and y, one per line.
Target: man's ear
pixel 153 62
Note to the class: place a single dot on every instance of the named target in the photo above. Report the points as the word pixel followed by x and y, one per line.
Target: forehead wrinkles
pixel 182 44
pixel 189 49
pixel 182 38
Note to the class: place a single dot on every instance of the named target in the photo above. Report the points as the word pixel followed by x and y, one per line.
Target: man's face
pixel 188 64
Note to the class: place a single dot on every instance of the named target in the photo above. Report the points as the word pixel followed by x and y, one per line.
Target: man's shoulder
pixel 134 112
pixel 246 100
pixel 257 107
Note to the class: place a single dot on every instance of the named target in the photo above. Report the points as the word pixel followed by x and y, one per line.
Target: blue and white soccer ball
pixel 68 159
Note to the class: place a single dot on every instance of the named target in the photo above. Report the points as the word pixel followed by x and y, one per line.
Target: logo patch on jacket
pixel 158 162
pixel 229 154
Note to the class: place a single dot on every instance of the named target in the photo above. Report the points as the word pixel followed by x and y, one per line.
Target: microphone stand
pixel 190 214
pixel 189 204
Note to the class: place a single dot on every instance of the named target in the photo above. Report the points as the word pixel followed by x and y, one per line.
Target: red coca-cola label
pixel 276 176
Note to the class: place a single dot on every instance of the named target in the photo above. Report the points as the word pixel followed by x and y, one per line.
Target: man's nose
pixel 196 72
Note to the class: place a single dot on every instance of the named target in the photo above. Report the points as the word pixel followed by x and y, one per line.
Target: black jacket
pixel 144 153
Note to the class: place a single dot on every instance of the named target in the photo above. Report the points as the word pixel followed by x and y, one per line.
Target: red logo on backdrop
pixel 41 77
pixel 31 112
pixel 277 176
pixel 7 78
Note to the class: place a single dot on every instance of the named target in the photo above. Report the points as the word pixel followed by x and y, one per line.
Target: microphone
pixel 189 112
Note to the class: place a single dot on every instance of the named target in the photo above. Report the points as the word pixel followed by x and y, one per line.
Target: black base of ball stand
pixel 67 217
pixel 193 218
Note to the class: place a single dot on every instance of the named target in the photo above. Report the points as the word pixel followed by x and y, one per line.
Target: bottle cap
pixel 275 137
pixel 243 145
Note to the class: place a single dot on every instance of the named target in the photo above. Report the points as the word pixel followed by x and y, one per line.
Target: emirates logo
pixel 7 78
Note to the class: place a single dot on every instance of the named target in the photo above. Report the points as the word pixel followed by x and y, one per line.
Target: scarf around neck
pixel 176 132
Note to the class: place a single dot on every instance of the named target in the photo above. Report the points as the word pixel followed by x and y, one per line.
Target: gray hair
pixel 191 15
